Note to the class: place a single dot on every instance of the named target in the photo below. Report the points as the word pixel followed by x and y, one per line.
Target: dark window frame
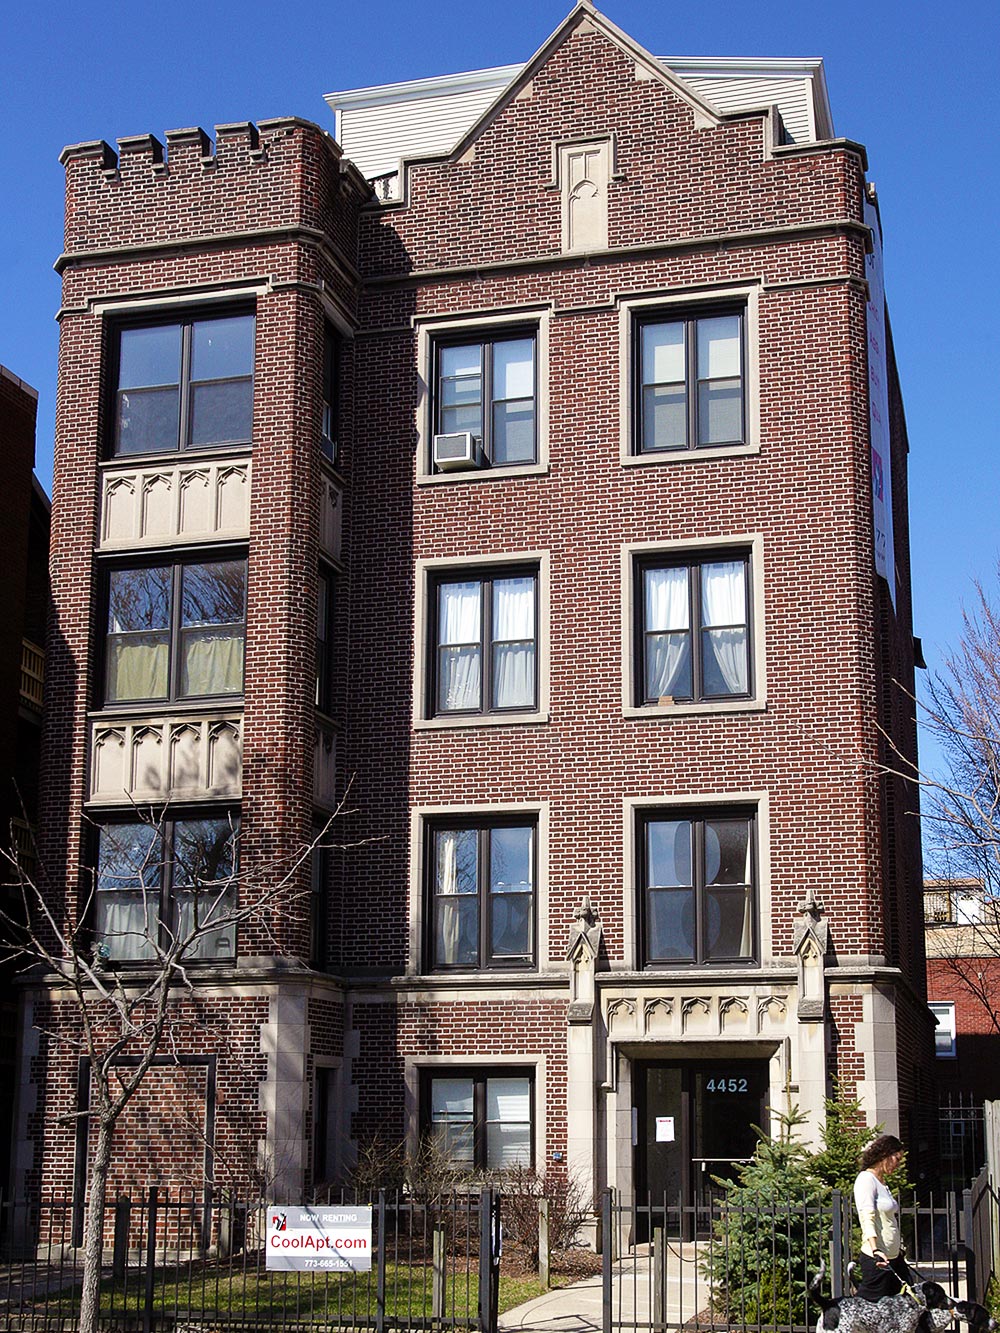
pixel 693 562
pixel 689 317
pixel 325 629
pixel 185 319
pixel 478 1075
pixel 320 864
pixel 164 828
pixel 483 825
pixel 176 561
pixel 698 816
pixel 485 577
pixel 332 369
pixel 486 337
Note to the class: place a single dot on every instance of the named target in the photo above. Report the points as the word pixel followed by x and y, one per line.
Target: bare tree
pixel 126 1016
pixel 961 806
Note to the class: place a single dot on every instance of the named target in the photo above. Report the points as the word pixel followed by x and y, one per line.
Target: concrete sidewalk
pixel 578 1308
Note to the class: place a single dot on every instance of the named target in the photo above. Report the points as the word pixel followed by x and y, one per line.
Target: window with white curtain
pixel 690 377
pixel 481 894
pixel 697 878
pixel 157 881
pixel 487 386
pixel 485 643
pixel 175 631
pixel 480 1120
pixel 693 629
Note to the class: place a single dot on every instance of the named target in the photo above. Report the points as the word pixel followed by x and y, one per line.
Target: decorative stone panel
pixel 157 505
pixel 672 1013
pixel 160 759
pixel 325 767
pixel 331 513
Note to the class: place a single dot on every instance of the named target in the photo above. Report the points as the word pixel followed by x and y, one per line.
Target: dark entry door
pixel 695 1121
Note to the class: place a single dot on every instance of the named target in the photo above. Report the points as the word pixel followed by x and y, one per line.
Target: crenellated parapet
pixel 280 174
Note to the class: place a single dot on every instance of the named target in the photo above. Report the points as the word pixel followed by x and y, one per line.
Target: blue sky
pixel 915 84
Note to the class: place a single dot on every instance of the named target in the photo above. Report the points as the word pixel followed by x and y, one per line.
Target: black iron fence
pixel 716 1266
pixel 185 1261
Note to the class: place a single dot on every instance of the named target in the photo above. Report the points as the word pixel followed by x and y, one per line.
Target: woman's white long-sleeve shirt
pixel 878 1213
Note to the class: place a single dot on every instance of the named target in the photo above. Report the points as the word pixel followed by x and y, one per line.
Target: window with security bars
pixel 480 1120
pixel 690 381
pixel 184 384
pixel 697 878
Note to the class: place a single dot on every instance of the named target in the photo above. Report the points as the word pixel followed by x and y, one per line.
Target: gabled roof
pixel 377 126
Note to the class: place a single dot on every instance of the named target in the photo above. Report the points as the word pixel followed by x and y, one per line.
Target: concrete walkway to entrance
pixel 578 1308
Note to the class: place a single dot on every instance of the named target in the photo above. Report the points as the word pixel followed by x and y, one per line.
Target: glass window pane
pixel 719 354
pixel 138 666
pixel 129 856
pixel 665 598
pixel 148 420
pixel 514 675
pixel 459 679
pixel 727 851
pixel 204 851
pixel 728 932
pixel 725 662
pixel 511 860
pixel 513 609
pixel 670 924
pixel 456 932
pixel 462 392
pixel 222 348
pixel 508 1100
pixel 720 412
pixel 514 369
pixel 456 859
pixel 510 925
pixel 664 418
pixel 222 413
pixel 508 1146
pixel 462 419
pixel 139 599
pixel 668 852
pixel 513 432
pixel 723 593
pixel 668 666
pixel 214 594
pixel 126 924
pixel 663 353
pixel 150 356
pixel 464 360
pixel 217 942
pixel 459 613
pixel 211 662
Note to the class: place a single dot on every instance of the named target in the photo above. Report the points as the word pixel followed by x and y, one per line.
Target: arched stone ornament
pixel 584 175
pixel 811 941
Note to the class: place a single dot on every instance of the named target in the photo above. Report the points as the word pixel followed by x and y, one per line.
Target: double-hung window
pixel 480 1120
pixel 487 387
pixel 484 645
pixel 693 629
pixel 331 393
pixel 184 385
pixel 697 881
pixel 160 881
pixel 175 631
pixel 481 894
pixel 690 381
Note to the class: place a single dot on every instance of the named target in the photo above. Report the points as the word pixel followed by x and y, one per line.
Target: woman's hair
pixel 879 1149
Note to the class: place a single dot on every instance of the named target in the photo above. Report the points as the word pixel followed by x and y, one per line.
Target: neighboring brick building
pixel 540 478
pixel 24 520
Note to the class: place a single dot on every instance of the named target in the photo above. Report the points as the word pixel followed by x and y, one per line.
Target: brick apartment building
pixel 24 520
pixel 529 491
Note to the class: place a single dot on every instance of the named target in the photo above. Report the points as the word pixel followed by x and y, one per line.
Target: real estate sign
pixel 319 1239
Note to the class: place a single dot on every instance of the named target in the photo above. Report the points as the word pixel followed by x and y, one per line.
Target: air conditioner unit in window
pixel 459 449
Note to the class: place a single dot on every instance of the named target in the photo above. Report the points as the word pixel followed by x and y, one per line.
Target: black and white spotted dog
pixel 924 1308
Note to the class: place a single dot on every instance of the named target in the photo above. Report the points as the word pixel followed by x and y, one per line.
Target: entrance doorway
pixel 695 1121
